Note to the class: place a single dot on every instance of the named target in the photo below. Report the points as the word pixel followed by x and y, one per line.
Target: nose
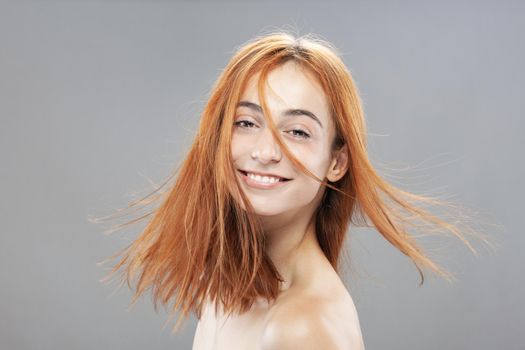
pixel 265 149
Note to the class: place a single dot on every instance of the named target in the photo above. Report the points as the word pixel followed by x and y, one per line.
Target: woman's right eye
pixel 244 123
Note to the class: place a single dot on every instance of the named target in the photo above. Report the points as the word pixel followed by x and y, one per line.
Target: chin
pixel 265 210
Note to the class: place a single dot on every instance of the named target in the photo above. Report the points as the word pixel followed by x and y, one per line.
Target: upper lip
pixel 263 174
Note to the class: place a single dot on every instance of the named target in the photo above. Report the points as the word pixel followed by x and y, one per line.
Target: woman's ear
pixel 339 164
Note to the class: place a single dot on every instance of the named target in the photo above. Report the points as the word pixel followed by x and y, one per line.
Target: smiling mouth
pixel 281 179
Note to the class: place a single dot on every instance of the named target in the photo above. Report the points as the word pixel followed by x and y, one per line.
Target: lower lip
pixel 264 186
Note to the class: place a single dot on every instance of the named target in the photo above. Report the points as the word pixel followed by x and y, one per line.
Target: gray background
pixel 97 97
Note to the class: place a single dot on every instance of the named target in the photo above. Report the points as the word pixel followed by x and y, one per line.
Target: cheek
pixel 305 189
pixel 238 145
pixel 315 159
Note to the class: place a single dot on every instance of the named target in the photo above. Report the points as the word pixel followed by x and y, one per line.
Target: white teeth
pixel 263 179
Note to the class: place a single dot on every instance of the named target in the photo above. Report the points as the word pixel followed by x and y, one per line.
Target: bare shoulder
pixel 201 338
pixel 313 321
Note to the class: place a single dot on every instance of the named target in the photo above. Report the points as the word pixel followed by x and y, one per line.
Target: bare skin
pixel 314 309
pixel 316 290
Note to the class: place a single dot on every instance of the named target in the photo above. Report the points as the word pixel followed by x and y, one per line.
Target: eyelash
pixel 305 135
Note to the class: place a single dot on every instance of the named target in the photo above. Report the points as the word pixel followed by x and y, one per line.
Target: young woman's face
pixel 300 110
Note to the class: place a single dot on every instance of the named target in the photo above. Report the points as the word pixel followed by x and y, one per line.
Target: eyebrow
pixel 287 113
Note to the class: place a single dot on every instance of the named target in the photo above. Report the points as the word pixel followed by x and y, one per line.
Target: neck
pixel 293 248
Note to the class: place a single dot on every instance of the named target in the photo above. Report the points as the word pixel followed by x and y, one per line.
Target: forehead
pixel 290 85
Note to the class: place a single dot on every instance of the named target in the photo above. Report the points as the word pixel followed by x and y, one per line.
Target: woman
pixel 250 234
pixel 313 304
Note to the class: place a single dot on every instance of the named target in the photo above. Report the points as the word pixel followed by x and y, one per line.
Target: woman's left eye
pixel 301 134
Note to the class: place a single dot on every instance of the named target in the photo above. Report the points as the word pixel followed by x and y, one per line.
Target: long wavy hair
pixel 199 244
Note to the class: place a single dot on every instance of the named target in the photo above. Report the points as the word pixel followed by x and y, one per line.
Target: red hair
pixel 199 243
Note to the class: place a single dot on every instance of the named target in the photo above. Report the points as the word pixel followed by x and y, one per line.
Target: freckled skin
pixel 312 291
